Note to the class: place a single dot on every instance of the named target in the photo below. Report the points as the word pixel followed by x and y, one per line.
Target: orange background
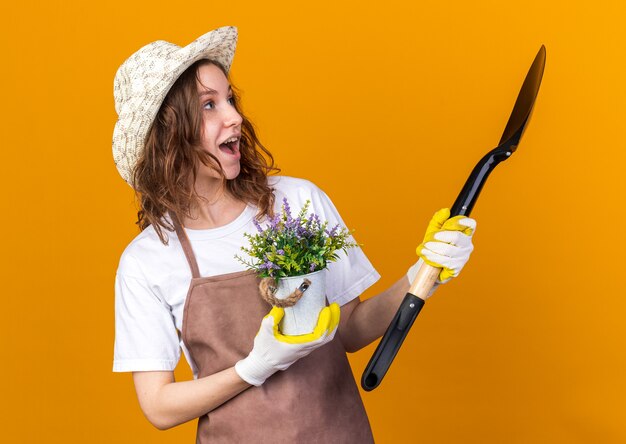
pixel 386 107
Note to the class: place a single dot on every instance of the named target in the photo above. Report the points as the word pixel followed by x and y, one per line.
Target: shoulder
pixel 288 183
pixel 295 189
pixel 298 191
pixel 142 251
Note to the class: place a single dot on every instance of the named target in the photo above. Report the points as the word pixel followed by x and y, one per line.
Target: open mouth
pixel 230 146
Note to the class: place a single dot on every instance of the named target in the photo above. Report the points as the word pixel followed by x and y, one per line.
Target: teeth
pixel 232 139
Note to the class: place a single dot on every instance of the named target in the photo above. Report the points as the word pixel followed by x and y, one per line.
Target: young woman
pixel 201 177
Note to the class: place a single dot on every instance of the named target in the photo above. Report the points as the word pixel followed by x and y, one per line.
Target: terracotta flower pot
pixel 302 317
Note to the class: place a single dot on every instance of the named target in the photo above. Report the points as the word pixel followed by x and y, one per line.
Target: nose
pixel 232 117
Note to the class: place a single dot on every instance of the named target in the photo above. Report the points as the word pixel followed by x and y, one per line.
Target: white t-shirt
pixel 152 278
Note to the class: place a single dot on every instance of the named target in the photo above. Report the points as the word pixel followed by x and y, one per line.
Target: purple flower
pixel 274 222
pixel 271 265
pixel 315 218
pixel 257 225
pixel 312 267
pixel 281 252
pixel 292 224
pixel 286 208
pixel 332 232
pixel 301 231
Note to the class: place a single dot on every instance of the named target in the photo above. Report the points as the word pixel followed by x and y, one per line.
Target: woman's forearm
pixel 168 403
pixel 369 319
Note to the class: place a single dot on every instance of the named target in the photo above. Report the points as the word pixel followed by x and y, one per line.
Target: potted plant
pixel 291 255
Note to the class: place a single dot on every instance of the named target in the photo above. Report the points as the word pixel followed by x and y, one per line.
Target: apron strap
pixel 184 241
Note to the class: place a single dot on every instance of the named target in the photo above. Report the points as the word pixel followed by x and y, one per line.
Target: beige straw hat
pixel 143 81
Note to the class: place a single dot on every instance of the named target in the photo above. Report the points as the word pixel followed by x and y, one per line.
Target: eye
pixel 209 105
pixel 231 100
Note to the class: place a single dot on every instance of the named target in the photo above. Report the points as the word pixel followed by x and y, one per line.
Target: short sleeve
pixel 351 274
pixel 146 338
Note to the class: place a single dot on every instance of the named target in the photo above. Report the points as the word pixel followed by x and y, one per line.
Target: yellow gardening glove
pixel 327 321
pixel 273 351
pixel 447 243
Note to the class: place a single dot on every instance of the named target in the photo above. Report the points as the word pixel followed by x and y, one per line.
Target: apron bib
pixel 315 400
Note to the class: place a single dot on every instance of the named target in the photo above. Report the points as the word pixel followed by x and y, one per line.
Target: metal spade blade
pixel 520 116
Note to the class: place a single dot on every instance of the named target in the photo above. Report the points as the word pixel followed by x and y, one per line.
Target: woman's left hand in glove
pixel 447 245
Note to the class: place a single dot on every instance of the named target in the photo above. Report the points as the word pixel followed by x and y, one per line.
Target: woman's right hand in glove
pixel 273 351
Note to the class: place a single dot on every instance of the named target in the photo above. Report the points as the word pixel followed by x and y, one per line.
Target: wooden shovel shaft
pixel 424 281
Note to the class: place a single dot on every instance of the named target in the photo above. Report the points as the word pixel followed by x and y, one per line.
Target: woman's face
pixel 221 127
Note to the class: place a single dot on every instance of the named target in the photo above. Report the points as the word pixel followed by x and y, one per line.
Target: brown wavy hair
pixel 166 170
